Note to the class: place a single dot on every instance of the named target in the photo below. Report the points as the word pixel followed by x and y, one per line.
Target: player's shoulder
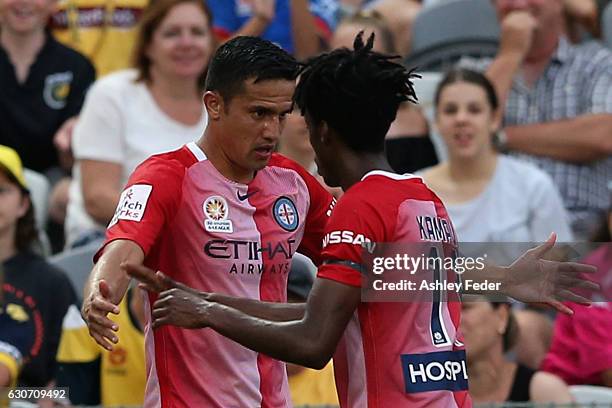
pixel 278 160
pixel 382 187
pixel 166 166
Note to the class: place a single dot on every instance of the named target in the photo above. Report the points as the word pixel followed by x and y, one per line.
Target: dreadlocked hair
pixel 356 92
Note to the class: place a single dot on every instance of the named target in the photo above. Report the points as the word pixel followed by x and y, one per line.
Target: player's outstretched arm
pixel 159 282
pixel 532 279
pixel 309 342
pixel 106 287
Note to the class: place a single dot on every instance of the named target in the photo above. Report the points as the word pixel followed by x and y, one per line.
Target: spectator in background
pixel 400 15
pixel 308 387
pixel 581 350
pixel 407 143
pixel 103 30
pixel 36 294
pixel 13 343
pixel 584 17
pixel 300 27
pixel 99 377
pixel 490 331
pixel 132 114
pixel 558 105
pixel 294 143
pixel 43 82
pixel 490 197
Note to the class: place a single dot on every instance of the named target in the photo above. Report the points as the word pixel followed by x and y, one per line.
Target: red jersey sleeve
pixel 354 222
pixel 148 203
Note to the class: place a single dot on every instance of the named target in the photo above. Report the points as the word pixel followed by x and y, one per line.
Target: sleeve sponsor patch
pixel 132 203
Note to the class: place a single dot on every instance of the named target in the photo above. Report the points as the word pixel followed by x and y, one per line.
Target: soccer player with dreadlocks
pixel 386 354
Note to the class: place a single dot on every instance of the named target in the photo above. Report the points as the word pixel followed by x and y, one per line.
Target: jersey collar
pixel 390 175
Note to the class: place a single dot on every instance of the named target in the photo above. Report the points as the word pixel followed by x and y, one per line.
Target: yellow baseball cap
pixel 9 159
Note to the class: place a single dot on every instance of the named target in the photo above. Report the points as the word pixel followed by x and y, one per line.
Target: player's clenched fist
pixel 95 310
pixel 517 30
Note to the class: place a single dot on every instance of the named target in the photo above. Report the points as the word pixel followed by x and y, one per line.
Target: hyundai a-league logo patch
pixel 216 211
pixel 285 213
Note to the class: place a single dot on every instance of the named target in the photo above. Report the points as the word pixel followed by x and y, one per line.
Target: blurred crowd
pixel 519 144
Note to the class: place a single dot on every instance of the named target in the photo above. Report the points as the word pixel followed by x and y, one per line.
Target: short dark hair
pixel 470 76
pixel 356 92
pixel 244 58
pixel 26 234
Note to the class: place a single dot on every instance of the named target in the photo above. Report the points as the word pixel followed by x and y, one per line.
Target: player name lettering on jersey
pixel 443 370
pixel 348 237
pixel 435 229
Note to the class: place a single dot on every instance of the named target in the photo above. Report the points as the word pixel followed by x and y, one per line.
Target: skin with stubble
pixel 244 130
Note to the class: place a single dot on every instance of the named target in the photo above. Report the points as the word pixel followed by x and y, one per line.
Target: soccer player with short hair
pixel 228 213
pixel 386 354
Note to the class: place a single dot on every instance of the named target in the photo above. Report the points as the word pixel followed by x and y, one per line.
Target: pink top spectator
pixel 582 347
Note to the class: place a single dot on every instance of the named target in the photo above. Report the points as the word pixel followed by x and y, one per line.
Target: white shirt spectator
pixel 120 123
pixel 520 205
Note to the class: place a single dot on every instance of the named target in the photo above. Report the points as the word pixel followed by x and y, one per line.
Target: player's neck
pixel 353 166
pixel 22 48
pixel 221 161
pixel 488 376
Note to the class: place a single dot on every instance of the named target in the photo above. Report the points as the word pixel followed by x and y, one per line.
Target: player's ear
pixel 214 104
pixel 324 132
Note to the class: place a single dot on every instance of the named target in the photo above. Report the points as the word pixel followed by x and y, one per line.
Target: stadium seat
pixel 445 32
pixel 77 263
pixel 39 192
pixel 589 394
pixel 606 22
pixel 300 261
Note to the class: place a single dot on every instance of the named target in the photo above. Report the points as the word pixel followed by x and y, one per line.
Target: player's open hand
pixel 532 279
pixel 95 312
pixel 180 308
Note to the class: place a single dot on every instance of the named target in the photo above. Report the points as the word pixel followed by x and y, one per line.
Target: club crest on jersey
pixel 216 211
pixel 285 213
pixel 57 89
